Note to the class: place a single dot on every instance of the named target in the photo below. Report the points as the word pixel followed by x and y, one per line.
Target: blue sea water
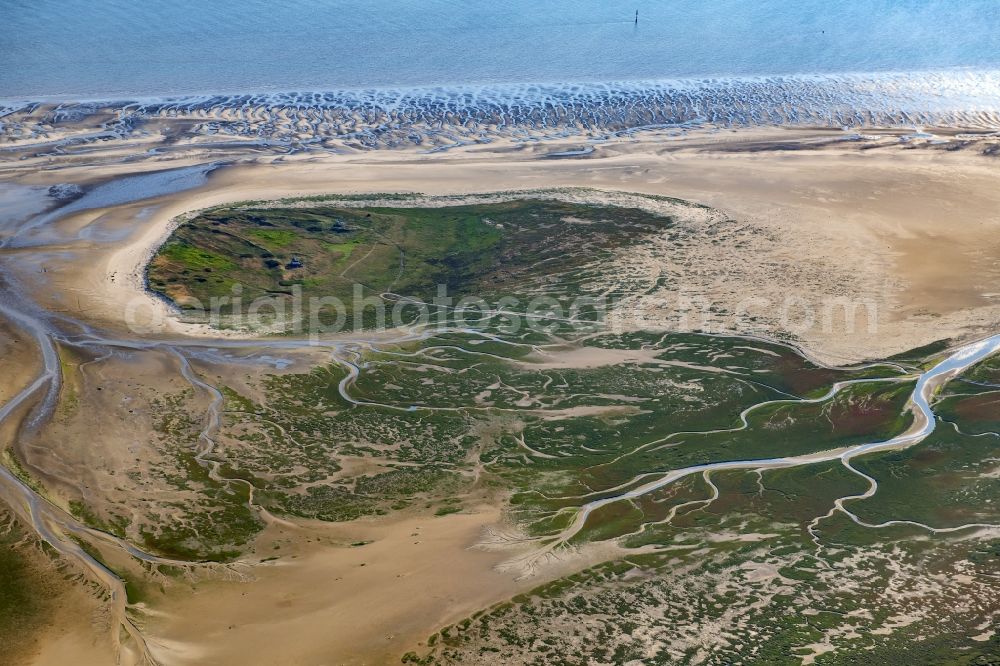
pixel 101 49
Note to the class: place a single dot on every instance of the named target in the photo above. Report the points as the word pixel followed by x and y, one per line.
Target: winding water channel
pixel 924 423
pixel 37 400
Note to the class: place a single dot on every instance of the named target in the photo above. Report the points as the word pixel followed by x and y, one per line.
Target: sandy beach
pixel 804 216
pixel 477 334
pixel 906 232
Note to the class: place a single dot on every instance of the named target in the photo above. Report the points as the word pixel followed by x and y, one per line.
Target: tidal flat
pixel 595 484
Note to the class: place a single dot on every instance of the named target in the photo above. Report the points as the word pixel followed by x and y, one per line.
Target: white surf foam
pixel 390 117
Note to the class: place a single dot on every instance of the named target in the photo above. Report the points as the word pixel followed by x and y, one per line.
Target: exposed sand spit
pixel 328 602
pixel 587 357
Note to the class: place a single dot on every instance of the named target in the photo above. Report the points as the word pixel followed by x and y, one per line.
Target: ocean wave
pixel 440 116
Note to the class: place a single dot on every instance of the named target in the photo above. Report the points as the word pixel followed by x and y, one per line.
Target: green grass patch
pixel 190 257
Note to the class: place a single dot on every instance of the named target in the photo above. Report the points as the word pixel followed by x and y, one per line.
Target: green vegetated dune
pixel 458 412
pixel 505 249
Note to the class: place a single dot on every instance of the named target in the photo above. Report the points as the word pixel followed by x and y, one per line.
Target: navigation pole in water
pixel 637 17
